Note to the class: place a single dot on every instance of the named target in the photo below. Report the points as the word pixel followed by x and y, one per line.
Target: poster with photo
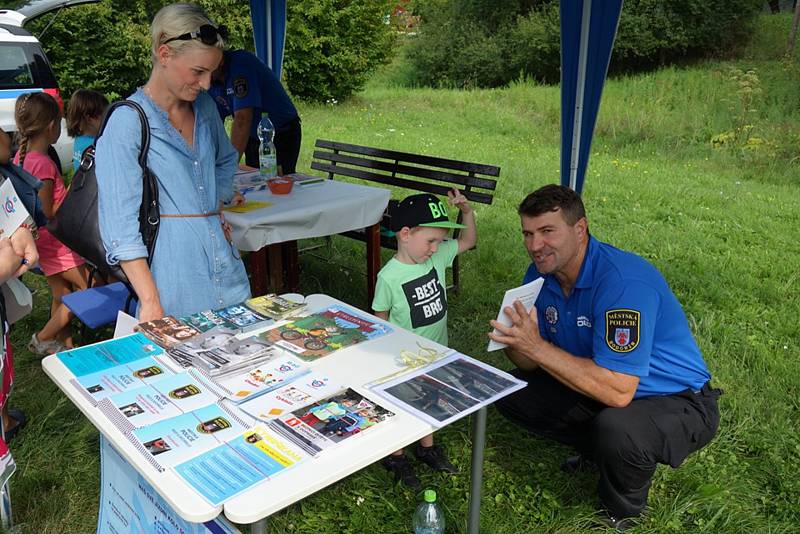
pixel 449 389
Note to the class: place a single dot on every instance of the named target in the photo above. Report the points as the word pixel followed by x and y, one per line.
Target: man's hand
pixel 522 336
pixel 150 311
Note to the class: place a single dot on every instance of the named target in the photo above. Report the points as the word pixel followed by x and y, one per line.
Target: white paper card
pixel 125 324
pixel 13 213
pixel 527 295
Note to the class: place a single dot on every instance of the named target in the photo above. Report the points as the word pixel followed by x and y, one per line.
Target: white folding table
pixel 355 366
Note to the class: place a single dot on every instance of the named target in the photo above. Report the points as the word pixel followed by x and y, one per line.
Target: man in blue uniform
pixel 611 365
pixel 243 86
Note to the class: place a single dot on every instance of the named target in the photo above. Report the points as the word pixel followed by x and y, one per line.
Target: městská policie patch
pixel 622 329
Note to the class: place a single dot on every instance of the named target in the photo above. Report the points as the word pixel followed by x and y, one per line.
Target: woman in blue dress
pixel 194 267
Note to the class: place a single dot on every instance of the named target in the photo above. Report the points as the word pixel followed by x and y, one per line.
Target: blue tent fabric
pixel 269 31
pixel 588 29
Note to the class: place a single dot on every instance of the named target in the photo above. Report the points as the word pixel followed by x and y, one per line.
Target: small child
pixel 84 115
pixel 410 292
pixel 38 120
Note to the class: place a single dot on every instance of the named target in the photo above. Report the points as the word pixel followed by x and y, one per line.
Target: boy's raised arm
pixel 468 236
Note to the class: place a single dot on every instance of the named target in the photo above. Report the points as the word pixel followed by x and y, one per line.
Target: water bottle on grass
pixel 429 519
pixel 267 159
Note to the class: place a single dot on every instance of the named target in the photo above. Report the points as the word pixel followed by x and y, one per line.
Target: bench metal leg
pixel 373 259
pixel 476 477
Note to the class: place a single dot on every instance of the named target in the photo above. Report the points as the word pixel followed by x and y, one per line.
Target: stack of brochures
pixel 218 352
pixel 167 331
pixel 274 306
pixel 236 317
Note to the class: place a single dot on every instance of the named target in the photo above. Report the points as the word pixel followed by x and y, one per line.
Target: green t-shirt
pixel 415 296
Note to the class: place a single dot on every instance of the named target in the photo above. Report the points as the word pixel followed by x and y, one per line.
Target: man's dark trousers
pixel 626 443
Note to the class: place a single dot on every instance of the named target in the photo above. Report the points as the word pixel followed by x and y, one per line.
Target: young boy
pixel 411 292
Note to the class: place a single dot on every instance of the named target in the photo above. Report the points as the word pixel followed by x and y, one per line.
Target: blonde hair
pixel 176 19
pixel 33 113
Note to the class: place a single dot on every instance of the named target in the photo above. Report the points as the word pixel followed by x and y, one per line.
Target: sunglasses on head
pixel 207 34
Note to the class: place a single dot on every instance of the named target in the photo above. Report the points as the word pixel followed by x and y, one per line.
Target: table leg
pixel 275 268
pixel 259 527
pixel 292 266
pixel 258 272
pixel 373 259
pixel 476 478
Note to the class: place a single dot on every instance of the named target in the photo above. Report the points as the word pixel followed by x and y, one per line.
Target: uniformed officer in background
pixel 243 86
pixel 611 365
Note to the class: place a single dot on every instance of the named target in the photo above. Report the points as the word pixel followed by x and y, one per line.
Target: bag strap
pixel 142 120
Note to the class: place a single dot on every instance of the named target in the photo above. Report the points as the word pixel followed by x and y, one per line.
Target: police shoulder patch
pixel 240 87
pixel 622 329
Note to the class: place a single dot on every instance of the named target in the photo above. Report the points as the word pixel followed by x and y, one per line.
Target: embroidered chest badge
pixel 622 329
pixel 551 314
pixel 240 87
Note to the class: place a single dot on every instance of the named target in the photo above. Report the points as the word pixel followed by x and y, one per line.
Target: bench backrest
pixel 409 171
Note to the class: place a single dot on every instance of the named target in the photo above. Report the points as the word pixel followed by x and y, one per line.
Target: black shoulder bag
pixel 76 223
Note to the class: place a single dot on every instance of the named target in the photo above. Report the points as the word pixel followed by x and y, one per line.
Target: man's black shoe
pixel 402 471
pixel 620 524
pixel 578 464
pixel 434 456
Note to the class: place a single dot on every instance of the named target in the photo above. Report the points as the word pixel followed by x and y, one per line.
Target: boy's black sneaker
pixel 402 470
pixel 619 524
pixel 434 456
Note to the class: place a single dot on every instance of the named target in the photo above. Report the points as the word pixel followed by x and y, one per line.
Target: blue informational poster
pixel 229 469
pixel 129 504
pixel 107 354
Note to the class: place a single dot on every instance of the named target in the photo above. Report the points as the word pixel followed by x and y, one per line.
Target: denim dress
pixel 193 265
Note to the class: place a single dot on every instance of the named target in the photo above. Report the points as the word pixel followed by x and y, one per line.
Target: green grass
pixel 720 223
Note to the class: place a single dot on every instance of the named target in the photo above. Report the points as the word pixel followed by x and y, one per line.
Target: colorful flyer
pixel 159 400
pixel 243 462
pixel 264 377
pixel 132 375
pixel 324 332
pixel 175 440
pixel 107 354
pixel 301 392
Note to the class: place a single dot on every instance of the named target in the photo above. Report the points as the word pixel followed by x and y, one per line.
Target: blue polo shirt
pixel 623 315
pixel 249 83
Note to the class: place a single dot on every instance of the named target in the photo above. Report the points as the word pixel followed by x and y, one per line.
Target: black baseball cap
pixel 423 209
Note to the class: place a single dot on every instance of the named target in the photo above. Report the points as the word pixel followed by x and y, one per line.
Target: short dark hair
pixel 554 197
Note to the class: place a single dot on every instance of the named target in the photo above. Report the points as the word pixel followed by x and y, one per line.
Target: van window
pixel 15 70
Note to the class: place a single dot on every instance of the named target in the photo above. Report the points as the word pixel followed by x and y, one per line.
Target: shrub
pixel 481 43
pixel 333 45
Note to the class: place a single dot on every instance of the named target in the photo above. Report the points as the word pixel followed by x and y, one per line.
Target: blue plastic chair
pixel 98 306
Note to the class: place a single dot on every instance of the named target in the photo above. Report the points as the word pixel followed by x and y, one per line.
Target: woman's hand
pixel 150 311
pixel 25 248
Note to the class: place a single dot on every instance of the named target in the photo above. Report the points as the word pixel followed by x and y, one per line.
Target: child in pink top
pixel 38 120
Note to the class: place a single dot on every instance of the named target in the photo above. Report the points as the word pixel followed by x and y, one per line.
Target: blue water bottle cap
pixel 430 496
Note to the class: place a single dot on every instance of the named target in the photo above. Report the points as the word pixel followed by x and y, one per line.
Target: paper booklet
pixel 172 441
pixel 274 306
pixel 271 374
pixel 301 392
pixel 107 354
pixel 324 332
pixel 120 378
pixel 159 400
pixel 527 295
pixel 449 389
pixel 237 317
pixel 241 463
pixel 231 357
pixel 323 424
pixel 185 353
pixel 167 331
pixel 13 213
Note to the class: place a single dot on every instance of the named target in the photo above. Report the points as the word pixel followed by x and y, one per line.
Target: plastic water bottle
pixel 429 519
pixel 267 159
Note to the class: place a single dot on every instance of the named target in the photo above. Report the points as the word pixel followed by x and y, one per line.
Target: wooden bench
pixel 414 172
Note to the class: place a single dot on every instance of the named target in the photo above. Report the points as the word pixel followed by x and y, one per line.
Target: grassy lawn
pixel 720 221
